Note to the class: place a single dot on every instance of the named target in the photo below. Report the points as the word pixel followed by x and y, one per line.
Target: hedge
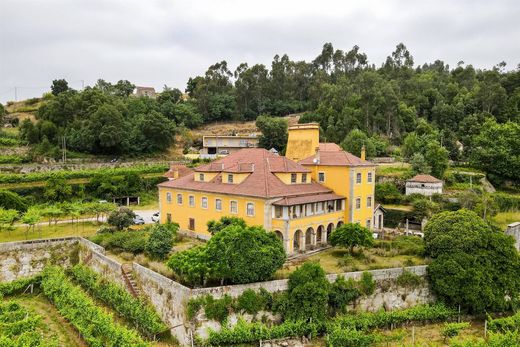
pixel 18 286
pixel 142 316
pixel 71 174
pixel 96 326
pixel 382 319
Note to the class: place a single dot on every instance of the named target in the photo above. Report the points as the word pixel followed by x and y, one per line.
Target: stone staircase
pixel 128 276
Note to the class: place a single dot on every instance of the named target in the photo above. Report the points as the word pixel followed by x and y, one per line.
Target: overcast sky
pixel 157 42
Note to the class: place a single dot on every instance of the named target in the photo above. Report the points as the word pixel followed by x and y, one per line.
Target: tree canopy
pixel 473 265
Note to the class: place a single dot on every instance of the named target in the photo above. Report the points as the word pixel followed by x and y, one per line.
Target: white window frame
pixel 304 178
pixel 368 224
pixel 295 176
pixel 247 209
pixel 180 199
pixel 229 178
pixel 168 197
pixel 204 202
pixel 357 206
pixel 321 173
pixel 370 177
pixel 216 204
pixel 231 206
pixel 369 198
pixel 201 177
pixel 191 200
pixel 359 178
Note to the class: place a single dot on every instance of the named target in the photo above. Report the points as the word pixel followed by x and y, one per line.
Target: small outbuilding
pixel 424 185
pixel 379 218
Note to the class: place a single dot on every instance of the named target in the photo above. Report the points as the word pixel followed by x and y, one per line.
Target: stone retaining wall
pixel 28 258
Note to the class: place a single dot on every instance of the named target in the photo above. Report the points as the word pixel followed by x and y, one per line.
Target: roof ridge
pixel 266 174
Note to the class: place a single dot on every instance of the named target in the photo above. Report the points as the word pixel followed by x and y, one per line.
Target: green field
pixel 46 232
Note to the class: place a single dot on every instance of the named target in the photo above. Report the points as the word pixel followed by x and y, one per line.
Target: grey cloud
pixel 159 42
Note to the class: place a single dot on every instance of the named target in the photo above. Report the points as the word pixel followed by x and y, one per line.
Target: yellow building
pixel 301 202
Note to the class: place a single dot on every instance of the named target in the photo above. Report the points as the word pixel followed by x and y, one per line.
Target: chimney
pixel 363 153
pixel 317 155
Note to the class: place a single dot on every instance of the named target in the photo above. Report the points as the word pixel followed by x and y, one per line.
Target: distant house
pixel 424 185
pixel 145 91
pixel 221 145
pixel 177 171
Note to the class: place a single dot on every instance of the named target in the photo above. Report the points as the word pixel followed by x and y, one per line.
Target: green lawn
pixel 505 218
pixel 48 232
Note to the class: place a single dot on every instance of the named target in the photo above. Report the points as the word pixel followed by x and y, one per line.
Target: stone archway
pixel 278 234
pixel 297 238
pixel 309 237
pixel 340 223
pixel 319 234
pixel 330 229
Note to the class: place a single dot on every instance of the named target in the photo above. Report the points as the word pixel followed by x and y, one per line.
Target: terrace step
pixel 128 275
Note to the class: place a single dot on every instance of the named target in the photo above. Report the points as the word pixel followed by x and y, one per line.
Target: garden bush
pixel 161 239
pixel 122 241
pixel 244 333
pixel 453 329
pixel 20 327
pixel 17 286
pixel 384 319
pixel 349 338
pixel 408 279
pixel 95 325
pixel 142 315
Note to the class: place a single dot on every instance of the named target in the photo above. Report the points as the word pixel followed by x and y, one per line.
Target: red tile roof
pixel 335 158
pixel 262 181
pixel 183 170
pixel 424 179
pixel 304 199
pixel 329 147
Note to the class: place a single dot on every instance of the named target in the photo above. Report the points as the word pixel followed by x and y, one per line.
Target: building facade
pixel 302 202
pixel 424 185
pixel 214 146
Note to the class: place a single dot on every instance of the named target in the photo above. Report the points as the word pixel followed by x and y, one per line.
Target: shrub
pixel 251 302
pixel 308 293
pixel 387 193
pixel 367 285
pixel 408 279
pixel 342 292
pixel 217 309
pixel 382 319
pixel 139 313
pixel 160 241
pixel 194 305
pixel 216 226
pixel 349 338
pixel 17 286
pixel 122 241
pixel 10 200
pixel 452 329
pixel 244 333
pixel 95 325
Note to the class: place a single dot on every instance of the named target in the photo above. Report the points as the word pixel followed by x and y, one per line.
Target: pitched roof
pixel 181 168
pixel 335 158
pixel 329 146
pixel 261 182
pixel 304 199
pixel 424 179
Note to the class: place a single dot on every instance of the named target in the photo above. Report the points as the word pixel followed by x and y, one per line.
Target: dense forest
pixel 433 112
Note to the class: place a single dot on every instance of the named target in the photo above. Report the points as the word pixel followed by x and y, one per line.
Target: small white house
pixel 424 185
pixel 379 217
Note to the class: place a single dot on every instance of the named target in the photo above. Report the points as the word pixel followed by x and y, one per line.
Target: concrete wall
pixel 28 258
pixel 423 188
pixel 280 285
